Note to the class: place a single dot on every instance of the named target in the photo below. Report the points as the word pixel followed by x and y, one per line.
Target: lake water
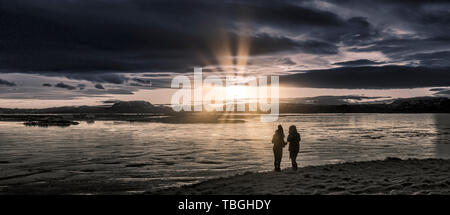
pixel 137 157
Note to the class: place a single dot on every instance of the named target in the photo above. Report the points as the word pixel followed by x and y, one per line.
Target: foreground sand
pixel 390 176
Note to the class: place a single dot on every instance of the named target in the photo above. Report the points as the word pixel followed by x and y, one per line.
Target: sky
pixel 90 52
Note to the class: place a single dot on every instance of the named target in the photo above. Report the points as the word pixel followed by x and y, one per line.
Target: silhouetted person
pixel 294 145
pixel 278 145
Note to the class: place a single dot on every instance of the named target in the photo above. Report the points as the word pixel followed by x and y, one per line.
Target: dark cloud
pixel 370 77
pixel 96 77
pixel 333 100
pixel 360 62
pixel 287 61
pixel 99 86
pixel 46 85
pixel 98 41
pixel 143 80
pixel 157 75
pixel 442 93
pixel 111 101
pixel 7 83
pixel 317 47
pixel 436 59
pixel 359 31
pixel 405 28
pixel 146 82
pixel 87 36
pixel 154 83
pixel 96 92
pixel 410 49
pixel 437 89
pixel 81 86
pixel 65 86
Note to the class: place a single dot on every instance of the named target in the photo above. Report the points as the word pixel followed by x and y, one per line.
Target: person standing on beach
pixel 278 145
pixel 294 145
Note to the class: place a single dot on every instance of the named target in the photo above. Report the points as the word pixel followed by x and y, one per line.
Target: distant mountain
pixel 408 105
pixel 117 107
pixel 422 104
pixel 136 107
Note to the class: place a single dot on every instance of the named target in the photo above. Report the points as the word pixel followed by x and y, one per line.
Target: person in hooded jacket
pixel 278 145
pixel 294 145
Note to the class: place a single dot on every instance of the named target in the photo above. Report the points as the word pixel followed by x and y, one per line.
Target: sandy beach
pixel 391 176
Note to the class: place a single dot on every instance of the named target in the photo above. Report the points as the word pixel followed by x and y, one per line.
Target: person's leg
pixel 277 153
pixel 291 156
pixel 275 156
pixel 274 159
pixel 294 160
pixel 280 153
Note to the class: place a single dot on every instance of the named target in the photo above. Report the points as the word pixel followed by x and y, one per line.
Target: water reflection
pixel 442 124
pixel 159 155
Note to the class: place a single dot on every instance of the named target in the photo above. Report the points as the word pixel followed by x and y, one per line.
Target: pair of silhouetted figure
pixel 279 143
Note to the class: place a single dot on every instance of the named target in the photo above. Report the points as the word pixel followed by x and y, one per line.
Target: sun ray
pixel 243 48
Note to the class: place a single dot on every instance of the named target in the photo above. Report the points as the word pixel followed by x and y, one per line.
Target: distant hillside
pixel 422 104
pixel 409 105
pixel 118 107
pixel 132 107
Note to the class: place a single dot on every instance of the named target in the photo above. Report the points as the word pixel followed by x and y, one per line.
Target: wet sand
pixel 391 176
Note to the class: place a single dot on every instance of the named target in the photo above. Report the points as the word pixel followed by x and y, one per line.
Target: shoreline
pixel 392 176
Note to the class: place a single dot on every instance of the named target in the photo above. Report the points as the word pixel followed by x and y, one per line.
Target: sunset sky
pixel 87 52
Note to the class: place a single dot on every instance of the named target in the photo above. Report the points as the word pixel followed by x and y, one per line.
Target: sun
pixel 236 92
